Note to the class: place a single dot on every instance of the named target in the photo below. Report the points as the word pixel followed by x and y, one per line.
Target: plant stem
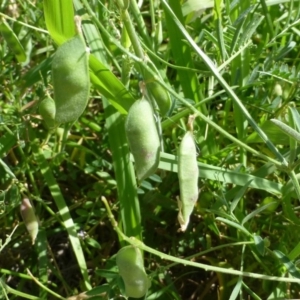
pixel 133 241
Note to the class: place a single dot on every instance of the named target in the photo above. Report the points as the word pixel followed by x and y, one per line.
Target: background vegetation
pixel 234 64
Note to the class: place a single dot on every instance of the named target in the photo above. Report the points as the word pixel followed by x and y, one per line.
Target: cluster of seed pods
pixel 71 84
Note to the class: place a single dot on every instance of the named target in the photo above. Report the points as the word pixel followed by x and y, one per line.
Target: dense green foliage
pixel 234 65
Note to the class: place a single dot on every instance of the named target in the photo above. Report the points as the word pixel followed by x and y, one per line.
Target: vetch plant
pixel 143 138
pixel 71 80
pixel 188 173
pixel 47 110
pixel 210 64
pixel 131 268
pixel 29 218
pixel 160 95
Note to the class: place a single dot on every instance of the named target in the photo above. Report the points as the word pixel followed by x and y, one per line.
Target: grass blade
pixel 256 212
pixel 238 196
pixel 63 211
pixel 287 129
pixel 235 225
pixel 291 268
pixel 182 54
pixel 59 17
pixel 12 41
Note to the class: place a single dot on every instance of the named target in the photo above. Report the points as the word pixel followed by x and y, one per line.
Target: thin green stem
pixel 44 287
pixel 142 246
pixel 13 273
pixel 213 249
pixel 21 152
pixel 140 22
pixel 10 290
pixel 132 34
pixel 7 240
pixel 24 24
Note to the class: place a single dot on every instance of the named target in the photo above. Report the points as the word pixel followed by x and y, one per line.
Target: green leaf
pixel 107 273
pixel 98 292
pixel 296 117
pixel 287 129
pixel 237 289
pixel 235 225
pixel 291 268
pixel 260 244
pixel 295 252
pixel 256 212
pixel 272 131
pixel 59 17
pixel 238 196
pixel 192 6
pixel 63 211
pixel 7 141
pixel 12 41
pixel 110 86
pixel 93 243
pixel 182 55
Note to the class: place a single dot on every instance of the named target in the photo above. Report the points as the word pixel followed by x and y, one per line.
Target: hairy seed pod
pixel 47 111
pixel 131 268
pixel 143 138
pixel 30 219
pixel 71 81
pixel 188 173
pixel 160 95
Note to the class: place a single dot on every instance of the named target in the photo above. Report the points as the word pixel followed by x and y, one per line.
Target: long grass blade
pixel 63 211
pixel 59 16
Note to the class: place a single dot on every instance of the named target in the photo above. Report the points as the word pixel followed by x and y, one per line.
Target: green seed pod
pixel 160 95
pixel 47 111
pixel 131 268
pixel 71 81
pixel 188 173
pixel 143 138
pixel 29 218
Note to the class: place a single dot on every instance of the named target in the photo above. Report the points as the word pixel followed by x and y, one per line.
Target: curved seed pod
pixel 160 95
pixel 29 218
pixel 131 268
pixel 71 81
pixel 143 138
pixel 47 111
pixel 188 173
